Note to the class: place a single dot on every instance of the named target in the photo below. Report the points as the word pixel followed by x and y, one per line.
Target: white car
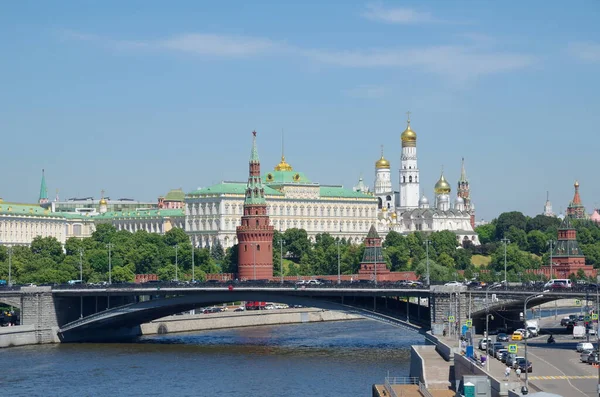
pixel 499 353
pixel 581 346
pixel 483 343
pixel 453 284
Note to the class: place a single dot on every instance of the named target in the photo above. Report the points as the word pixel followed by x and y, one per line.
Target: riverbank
pixel 202 322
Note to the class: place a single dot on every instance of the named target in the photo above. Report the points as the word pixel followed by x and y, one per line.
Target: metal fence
pixel 424 390
pixel 398 380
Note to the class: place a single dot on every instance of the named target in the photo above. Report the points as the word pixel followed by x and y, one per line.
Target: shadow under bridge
pixel 124 321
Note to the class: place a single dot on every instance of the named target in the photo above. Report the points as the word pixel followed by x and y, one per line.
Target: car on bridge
pixel 502 337
pixel 520 363
pixel 517 335
pixel 453 284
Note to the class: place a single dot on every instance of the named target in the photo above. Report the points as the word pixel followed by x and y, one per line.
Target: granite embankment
pixel 201 322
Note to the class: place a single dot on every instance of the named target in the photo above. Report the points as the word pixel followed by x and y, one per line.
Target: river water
pixel 317 359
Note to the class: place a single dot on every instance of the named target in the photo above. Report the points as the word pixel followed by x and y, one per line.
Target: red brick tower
pixel 255 235
pixel 567 256
pixel 373 257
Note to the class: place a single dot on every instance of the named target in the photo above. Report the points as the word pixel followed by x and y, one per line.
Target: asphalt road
pixel 557 367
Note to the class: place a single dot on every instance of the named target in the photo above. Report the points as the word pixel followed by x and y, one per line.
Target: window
pixel 403 179
pixel 410 179
pixel 245 248
pixel 257 223
pixel 258 247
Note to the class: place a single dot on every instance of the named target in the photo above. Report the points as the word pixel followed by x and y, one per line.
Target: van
pixel 578 332
pixel 564 282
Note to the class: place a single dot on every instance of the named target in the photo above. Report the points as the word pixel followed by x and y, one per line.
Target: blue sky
pixel 139 97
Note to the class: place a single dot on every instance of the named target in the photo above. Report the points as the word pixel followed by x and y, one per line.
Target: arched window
pixel 410 179
pixel 379 202
pixel 245 248
pixel 257 223
pixel 403 179
pixel 258 247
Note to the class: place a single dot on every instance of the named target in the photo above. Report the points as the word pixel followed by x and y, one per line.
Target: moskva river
pixel 318 359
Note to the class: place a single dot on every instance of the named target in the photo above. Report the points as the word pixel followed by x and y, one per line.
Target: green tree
pixel 166 273
pixel 176 236
pixel 122 274
pixel 104 233
pixel 230 263
pixel 487 233
pixel 542 223
pixel 217 252
pixel 508 219
pixel 296 243
pixel 537 242
pixel 517 236
pixel 444 242
pixel 394 239
pixel 436 271
pixel 462 258
pixel 446 261
pixel 48 247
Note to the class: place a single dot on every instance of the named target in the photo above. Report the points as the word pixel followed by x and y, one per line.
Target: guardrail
pixel 424 390
pixel 396 380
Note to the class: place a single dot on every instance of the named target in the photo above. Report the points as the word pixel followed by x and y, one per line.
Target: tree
pixel 217 252
pixel 508 219
pixel 446 261
pixel 104 233
pixel 296 242
pixel 166 273
pixel 487 233
pixel 230 263
pixel 536 241
pixel 436 271
pixel 462 258
pixel 176 236
pixel 517 236
pixel 542 223
pixel 394 239
pixel 48 247
pixel 444 242
pixel 122 274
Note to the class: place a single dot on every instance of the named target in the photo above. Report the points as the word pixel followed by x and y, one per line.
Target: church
pixel 406 211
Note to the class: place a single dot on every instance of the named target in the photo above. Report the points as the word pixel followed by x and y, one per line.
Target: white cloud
pixel 400 15
pixel 457 62
pixel 589 52
pixel 218 45
pixel 366 91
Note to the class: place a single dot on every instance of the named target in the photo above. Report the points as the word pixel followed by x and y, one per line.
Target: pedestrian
pixel 444 333
pixel 518 372
pixel 506 373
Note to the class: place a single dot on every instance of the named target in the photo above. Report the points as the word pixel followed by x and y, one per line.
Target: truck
pixel 533 327
pixel 578 332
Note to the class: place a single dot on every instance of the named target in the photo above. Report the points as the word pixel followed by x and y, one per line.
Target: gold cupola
pixel 442 186
pixel 283 165
pixel 382 163
pixel 408 137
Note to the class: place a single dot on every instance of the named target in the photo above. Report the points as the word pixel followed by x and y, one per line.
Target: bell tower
pixel 409 172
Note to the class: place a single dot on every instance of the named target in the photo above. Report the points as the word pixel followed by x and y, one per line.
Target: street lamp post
pixel 109 245
pixel 338 242
pixel 81 279
pixel 427 243
pixel 193 263
pixel 551 243
pixel 487 339
pixel 281 256
pixel 506 242
pixel 176 263
pixel 525 388
pixel 10 266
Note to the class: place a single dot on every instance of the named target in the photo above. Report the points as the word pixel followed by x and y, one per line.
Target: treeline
pixel 131 253
pixel 529 246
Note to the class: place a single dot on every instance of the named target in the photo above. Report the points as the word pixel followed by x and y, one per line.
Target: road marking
pixel 559 370
pixel 563 377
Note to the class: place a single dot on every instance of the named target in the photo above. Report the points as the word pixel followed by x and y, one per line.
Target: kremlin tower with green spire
pixel 255 234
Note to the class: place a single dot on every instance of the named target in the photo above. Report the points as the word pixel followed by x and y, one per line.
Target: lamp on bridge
pixel 525 389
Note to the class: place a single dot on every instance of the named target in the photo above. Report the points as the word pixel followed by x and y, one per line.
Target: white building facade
pixel 415 215
pixel 213 213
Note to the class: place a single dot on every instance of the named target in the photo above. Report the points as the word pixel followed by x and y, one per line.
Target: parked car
pixel 483 343
pixel 581 346
pixel 510 359
pixel 584 356
pixel 564 321
pixel 500 352
pixel 502 337
pixel 593 358
pixel 517 335
pixel 520 363
pixel 504 356
pixel 495 347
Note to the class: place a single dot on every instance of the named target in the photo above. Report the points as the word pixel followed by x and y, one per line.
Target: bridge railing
pixel 424 390
pixel 398 380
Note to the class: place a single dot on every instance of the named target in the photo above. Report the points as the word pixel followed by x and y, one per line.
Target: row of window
pixel 280 224
pixel 292 210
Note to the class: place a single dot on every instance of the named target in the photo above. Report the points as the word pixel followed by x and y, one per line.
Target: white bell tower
pixel 409 172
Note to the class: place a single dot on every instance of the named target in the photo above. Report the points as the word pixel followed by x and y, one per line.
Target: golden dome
pixel 576 184
pixel 442 186
pixel 382 163
pixel 103 201
pixel 394 215
pixel 409 137
pixel 283 166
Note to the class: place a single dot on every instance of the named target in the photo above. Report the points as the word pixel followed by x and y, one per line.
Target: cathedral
pixel 406 210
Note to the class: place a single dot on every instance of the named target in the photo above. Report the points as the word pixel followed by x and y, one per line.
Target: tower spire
pixel 254 154
pixel 43 199
pixel 463 172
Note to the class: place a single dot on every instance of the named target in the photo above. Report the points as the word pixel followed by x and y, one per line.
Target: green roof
pixel 340 191
pixel 284 177
pixel 159 213
pixel 22 209
pixel 175 195
pixel 238 188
